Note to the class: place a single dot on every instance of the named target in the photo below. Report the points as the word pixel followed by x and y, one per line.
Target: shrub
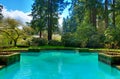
pixel 22 46
pixel 39 42
pixel 95 41
pixel 24 42
pixel 112 39
pixel 69 40
pixel 72 43
pixel 55 43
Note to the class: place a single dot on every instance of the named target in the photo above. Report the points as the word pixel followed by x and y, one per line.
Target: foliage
pixel 69 40
pixel 112 37
pixel 1 15
pixel 94 23
pixel 84 33
pixel 56 37
pixel 38 42
pixel 89 36
pixel 22 46
pixel 10 30
pixel 46 14
pixel 54 43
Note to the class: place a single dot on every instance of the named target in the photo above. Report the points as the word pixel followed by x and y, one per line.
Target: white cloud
pixel 18 15
pixel 22 16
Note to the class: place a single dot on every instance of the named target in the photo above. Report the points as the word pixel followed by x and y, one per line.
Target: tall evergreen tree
pixel 113 9
pixel 106 13
pixel 1 16
pixel 46 14
pixel 39 20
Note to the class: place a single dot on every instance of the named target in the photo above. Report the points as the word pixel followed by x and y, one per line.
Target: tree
pixel 45 14
pixel 39 21
pixel 106 13
pixel 117 12
pixel 1 16
pixel 64 25
pixel 113 9
pixel 86 34
pixel 10 29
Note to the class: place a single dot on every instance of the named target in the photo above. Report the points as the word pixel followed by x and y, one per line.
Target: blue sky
pixel 20 9
pixel 21 5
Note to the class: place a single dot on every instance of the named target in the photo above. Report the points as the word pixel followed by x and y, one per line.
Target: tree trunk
pixel 106 13
pixel 49 19
pixel 114 13
pixel 94 17
pixel 40 34
pixel 1 15
pixel 15 42
pixel 90 16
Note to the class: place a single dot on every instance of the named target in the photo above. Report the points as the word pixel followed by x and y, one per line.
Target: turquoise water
pixel 59 65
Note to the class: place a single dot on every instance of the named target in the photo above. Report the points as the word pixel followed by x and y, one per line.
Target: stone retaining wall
pixel 111 59
pixel 9 58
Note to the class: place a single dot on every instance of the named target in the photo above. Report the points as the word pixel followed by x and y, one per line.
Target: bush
pixel 39 42
pixel 23 46
pixel 72 43
pixel 55 43
pixel 69 40
pixel 95 41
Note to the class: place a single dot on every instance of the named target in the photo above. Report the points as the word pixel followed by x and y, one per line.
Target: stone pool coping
pixel 8 58
pixel 110 58
pixel 37 49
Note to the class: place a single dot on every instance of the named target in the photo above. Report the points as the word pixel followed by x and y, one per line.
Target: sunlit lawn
pixel 61 47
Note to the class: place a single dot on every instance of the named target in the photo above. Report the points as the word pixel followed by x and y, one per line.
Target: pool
pixel 60 64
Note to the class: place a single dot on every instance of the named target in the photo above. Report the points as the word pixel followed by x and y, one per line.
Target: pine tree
pixel 46 14
pixel 1 16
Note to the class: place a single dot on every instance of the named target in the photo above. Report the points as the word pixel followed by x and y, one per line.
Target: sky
pixel 17 9
pixel 20 9
pixel 21 5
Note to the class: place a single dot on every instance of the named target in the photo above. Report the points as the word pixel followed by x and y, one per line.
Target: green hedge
pixel 39 42
pixel 69 40
pixel 55 43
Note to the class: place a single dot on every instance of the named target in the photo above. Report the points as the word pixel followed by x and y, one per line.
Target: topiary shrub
pixel 54 43
pixel 39 42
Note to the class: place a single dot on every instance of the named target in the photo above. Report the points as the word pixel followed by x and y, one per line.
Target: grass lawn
pixel 60 47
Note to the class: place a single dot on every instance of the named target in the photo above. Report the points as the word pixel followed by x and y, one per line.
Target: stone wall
pixel 9 58
pixel 111 59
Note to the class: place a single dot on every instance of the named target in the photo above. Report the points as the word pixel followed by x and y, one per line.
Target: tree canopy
pixel 46 14
pixel 94 22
